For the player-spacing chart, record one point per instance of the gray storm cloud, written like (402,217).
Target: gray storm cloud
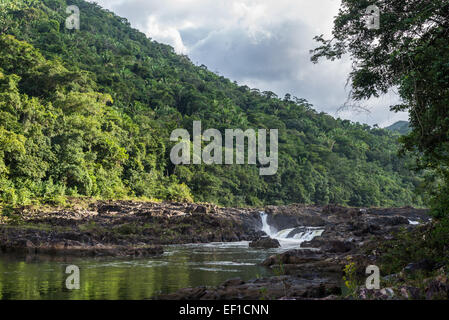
(263,44)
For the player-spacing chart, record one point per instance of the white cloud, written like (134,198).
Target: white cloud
(260,43)
(167,34)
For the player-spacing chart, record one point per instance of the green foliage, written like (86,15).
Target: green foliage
(278,269)
(90,112)
(438,193)
(409,51)
(69,141)
(7,211)
(350,278)
(428,242)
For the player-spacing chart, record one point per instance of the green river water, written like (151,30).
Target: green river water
(43,277)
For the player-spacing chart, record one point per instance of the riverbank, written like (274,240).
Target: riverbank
(318,242)
(122,228)
(351,237)
(132,224)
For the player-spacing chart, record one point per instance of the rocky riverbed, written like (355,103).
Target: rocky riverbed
(122,228)
(138,229)
(315,270)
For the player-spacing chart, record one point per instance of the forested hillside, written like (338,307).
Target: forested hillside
(90,112)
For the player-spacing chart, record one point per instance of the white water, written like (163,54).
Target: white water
(413,222)
(265,227)
(288,238)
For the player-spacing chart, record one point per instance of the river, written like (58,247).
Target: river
(43,277)
(34,277)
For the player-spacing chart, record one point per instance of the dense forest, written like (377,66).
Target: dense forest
(89,112)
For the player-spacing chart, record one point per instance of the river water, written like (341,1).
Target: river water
(181,266)
(33,277)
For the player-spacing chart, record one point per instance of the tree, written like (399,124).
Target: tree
(409,51)
(94,110)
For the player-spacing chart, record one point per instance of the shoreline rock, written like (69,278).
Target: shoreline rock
(279,287)
(315,271)
(265,243)
(131,228)
(80,250)
(123,228)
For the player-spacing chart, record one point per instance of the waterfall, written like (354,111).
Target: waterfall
(293,236)
(265,226)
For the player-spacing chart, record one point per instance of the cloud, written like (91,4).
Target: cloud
(261,43)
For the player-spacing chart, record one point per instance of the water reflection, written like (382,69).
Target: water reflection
(43,277)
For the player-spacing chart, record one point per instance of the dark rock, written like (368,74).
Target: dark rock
(298,230)
(361,228)
(332,246)
(293,257)
(265,243)
(315,243)
(379,294)
(103,208)
(281,287)
(200,209)
(301,218)
(414,293)
(390,221)
(233,282)
(423,265)
(338,246)
(437,289)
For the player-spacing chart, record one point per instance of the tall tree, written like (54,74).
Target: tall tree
(409,50)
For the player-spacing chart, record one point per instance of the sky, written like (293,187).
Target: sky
(264,44)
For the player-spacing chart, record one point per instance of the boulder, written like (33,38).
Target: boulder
(265,243)
(293,257)
(437,289)
(338,246)
(390,221)
(233,282)
(423,265)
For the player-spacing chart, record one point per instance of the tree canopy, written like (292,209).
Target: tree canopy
(90,112)
(410,52)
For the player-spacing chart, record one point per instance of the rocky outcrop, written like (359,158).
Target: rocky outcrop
(283,217)
(436,288)
(265,243)
(124,227)
(346,229)
(279,287)
(74,248)
(316,271)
